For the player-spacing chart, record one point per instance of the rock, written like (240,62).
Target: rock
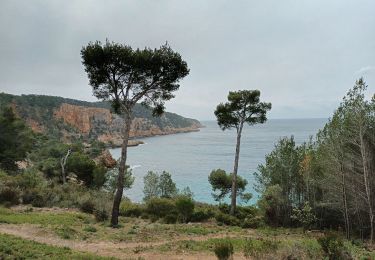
(106,159)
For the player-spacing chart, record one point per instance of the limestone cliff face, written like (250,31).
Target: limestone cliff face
(83,118)
(101,124)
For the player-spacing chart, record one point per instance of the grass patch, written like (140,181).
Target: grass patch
(12,247)
(43,218)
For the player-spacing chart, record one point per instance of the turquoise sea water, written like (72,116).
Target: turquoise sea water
(190,157)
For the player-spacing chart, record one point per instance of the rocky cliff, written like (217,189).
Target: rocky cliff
(73,119)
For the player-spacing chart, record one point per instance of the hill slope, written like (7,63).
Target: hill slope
(71,119)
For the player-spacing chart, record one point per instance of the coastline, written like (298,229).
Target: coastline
(135,142)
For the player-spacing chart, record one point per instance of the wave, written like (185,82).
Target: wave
(135,166)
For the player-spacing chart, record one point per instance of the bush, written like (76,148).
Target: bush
(129,209)
(38,201)
(101,214)
(90,229)
(170,219)
(201,215)
(185,208)
(9,196)
(333,246)
(227,219)
(87,206)
(257,248)
(252,222)
(160,207)
(9,192)
(223,249)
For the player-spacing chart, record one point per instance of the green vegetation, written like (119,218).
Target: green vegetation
(223,249)
(222,182)
(125,77)
(327,183)
(12,247)
(159,186)
(243,106)
(66,192)
(15,139)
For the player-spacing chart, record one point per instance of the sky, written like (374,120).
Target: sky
(303,55)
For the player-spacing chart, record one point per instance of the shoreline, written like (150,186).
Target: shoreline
(135,142)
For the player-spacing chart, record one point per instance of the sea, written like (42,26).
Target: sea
(190,157)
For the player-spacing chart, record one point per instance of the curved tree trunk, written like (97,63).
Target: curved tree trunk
(235,170)
(121,172)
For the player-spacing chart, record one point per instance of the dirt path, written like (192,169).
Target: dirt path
(107,248)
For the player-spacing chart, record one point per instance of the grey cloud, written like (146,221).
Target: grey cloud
(300,54)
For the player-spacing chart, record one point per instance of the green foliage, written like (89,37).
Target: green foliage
(147,76)
(12,247)
(90,229)
(304,216)
(224,249)
(271,203)
(333,246)
(161,207)
(9,191)
(201,215)
(111,179)
(243,106)
(99,175)
(156,185)
(167,186)
(257,248)
(221,182)
(151,186)
(87,206)
(283,182)
(16,139)
(129,209)
(185,208)
(101,214)
(82,166)
(224,218)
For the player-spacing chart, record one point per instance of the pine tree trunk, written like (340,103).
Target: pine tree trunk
(344,197)
(121,172)
(367,185)
(235,170)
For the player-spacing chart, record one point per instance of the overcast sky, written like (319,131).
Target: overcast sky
(302,55)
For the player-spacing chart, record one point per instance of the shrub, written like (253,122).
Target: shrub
(160,207)
(185,208)
(99,176)
(223,249)
(332,246)
(129,209)
(9,196)
(90,229)
(38,201)
(66,232)
(252,222)
(170,218)
(226,219)
(201,215)
(101,214)
(28,196)
(257,248)
(87,206)
(9,192)
(245,212)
